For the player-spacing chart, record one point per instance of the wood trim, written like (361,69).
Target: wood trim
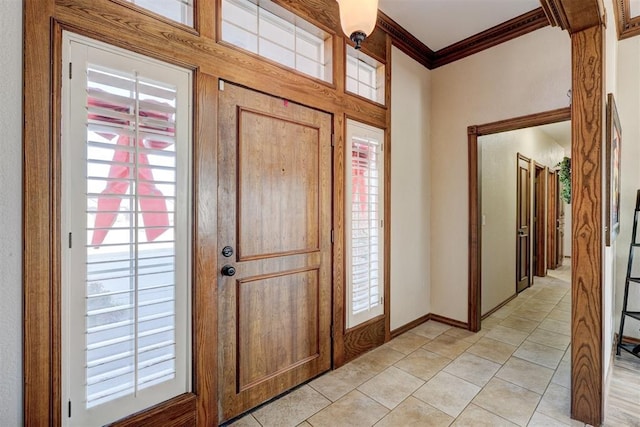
(339,321)
(555,13)
(407,327)
(475,250)
(405,41)
(430,316)
(499,306)
(587,131)
(205,247)
(364,337)
(530,120)
(41,376)
(626,25)
(628,339)
(177,412)
(574,15)
(387,200)
(448,321)
(494,36)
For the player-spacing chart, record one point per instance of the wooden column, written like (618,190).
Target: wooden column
(587,249)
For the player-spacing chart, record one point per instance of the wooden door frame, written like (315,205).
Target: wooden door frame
(540,207)
(128,26)
(475,235)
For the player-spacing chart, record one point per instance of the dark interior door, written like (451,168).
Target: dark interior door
(560,229)
(539,209)
(552,218)
(274,233)
(523,224)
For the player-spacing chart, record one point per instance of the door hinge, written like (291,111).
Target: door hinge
(69,409)
(332,332)
(332,236)
(333,139)
(70,240)
(221,85)
(70,70)
(382,223)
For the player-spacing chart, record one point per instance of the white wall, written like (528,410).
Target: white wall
(410,189)
(498,154)
(628,103)
(526,75)
(10,207)
(609,264)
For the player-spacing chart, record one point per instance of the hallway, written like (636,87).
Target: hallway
(515,371)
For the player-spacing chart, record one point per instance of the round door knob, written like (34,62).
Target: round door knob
(228,270)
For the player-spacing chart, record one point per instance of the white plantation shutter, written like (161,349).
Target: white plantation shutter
(126,211)
(364,224)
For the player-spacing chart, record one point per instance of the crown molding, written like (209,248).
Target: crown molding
(625,24)
(405,41)
(501,33)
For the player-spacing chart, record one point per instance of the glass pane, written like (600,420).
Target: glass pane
(275,33)
(177,10)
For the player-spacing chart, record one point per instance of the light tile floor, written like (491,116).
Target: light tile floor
(514,372)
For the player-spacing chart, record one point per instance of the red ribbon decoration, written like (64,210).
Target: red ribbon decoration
(154,209)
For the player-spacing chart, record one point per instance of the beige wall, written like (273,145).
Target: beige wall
(527,75)
(10,219)
(498,174)
(610,271)
(410,189)
(628,103)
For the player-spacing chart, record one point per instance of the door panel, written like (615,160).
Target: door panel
(274,214)
(291,225)
(523,224)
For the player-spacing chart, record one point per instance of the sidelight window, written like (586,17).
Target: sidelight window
(126,235)
(364,222)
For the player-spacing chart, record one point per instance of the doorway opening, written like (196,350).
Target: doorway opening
(479,221)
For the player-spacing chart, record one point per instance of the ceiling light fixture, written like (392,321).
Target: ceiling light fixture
(358,18)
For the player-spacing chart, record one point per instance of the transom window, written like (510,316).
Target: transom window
(275,33)
(178,10)
(365,75)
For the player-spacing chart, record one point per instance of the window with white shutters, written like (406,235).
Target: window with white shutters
(126,280)
(364,222)
(273,32)
(365,75)
(178,10)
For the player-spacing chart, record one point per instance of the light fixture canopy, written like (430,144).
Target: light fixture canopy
(358,18)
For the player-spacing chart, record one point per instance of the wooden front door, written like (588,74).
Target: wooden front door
(274,221)
(523,223)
